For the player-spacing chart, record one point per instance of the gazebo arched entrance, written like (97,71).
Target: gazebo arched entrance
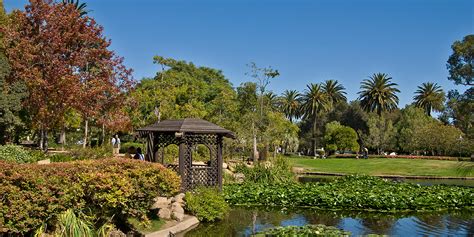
(188,133)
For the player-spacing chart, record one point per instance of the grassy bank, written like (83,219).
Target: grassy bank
(382,166)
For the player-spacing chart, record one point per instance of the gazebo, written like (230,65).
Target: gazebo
(187,134)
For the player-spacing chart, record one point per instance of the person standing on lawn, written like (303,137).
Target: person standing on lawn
(115,145)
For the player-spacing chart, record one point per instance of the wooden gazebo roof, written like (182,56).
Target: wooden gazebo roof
(188,125)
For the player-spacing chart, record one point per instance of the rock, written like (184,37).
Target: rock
(176,207)
(297,170)
(44,162)
(178,198)
(231,168)
(161,202)
(224,166)
(164,213)
(177,216)
(117,233)
(226,171)
(239,177)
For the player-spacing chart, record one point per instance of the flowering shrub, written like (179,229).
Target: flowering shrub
(104,189)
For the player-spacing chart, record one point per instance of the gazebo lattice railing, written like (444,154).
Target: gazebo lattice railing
(187,134)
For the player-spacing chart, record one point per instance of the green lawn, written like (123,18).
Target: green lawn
(382,166)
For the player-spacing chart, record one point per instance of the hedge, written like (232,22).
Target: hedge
(104,189)
(403,157)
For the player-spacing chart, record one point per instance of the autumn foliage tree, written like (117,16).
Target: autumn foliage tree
(64,60)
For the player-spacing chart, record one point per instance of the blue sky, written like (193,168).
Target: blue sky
(307,41)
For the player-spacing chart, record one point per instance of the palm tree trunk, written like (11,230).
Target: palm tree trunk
(314,135)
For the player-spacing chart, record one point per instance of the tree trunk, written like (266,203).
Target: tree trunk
(314,136)
(86,131)
(41,139)
(255,150)
(62,137)
(103,135)
(45,141)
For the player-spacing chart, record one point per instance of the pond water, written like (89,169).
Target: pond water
(457,182)
(245,221)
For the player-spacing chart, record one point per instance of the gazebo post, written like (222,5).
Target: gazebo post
(182,150)
(219,161)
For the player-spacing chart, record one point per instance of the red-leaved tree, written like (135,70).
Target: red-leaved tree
(64,59)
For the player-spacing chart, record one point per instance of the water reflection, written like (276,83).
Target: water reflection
(244,222)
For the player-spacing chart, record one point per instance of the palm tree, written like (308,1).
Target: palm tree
(334,90)
(378,93)
(430,97)
(81,7)
(290,104)
(271,100)
(315,100)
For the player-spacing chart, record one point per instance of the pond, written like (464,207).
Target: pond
(457,182)
(245,221)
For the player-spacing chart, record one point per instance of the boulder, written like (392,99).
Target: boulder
(177,216)
(117,233)
(160,202)
(164,213)
(178,198)
(226,171)
(44,162)
(176,207)
(239,177)
(224,166)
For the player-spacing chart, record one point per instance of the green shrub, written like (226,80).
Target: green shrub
(18,154)
(276,170)
(125,146)
(307,230)
(105,189)
(61,157)
(352,193)
(91,153)
(207,204)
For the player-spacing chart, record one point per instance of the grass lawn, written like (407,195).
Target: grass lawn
(382,166)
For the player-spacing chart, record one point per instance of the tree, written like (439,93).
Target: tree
(378,94)
(461,62)
(81,7)
(381,133)
(338,137)
(334,91)
(315,100)
(430,97)
(280,131)
(356,118)
(290,104)
(459,109)
(412,120)
(12,94)
(262,76)
(65,62)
